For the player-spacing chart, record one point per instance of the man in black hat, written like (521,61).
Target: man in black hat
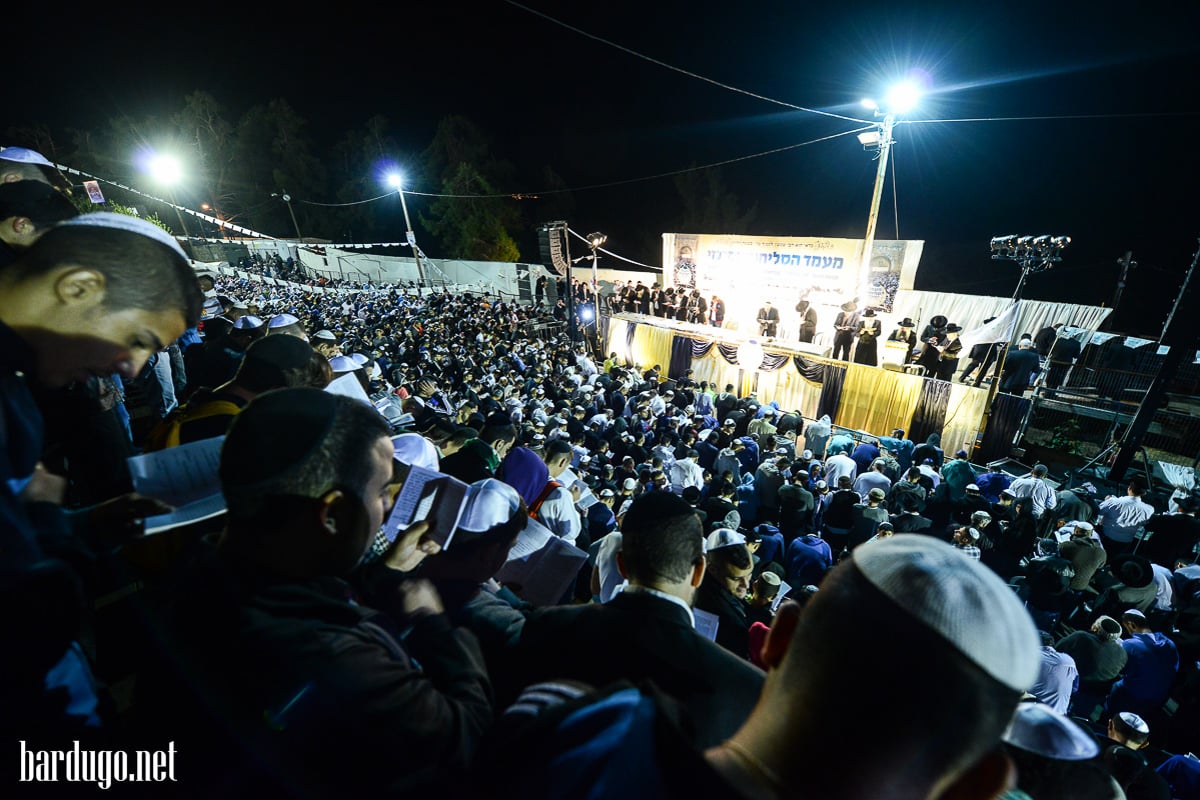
(942,361)
(906,335)
(867,349)
(845,324)
(808,320)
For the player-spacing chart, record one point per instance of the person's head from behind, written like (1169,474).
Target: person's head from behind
(922,604)
(97,294)
(558,455)
(306,476)
(845,482)
(282,362)
(1040,470)
(1129,729)
(28,209)
(22,164)
(1106,628)
(662,544)
(499,432)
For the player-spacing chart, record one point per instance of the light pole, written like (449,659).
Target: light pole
(168,171)
(595,241)
(395,180)
(287,198)
(900,98)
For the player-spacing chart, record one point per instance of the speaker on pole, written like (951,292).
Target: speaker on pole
(552,241)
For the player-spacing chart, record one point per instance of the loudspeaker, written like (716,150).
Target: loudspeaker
(552,242)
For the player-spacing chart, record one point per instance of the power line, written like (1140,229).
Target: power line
(644,57)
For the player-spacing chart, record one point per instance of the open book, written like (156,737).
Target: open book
(185,477)
(587,498)
(541,566)
(427,495)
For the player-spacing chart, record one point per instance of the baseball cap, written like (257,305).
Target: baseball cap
(123,222)
(723,537)
(949,594)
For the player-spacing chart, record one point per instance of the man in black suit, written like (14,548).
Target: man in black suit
(1019,367)
(646,631)
(768,320)
(845,325)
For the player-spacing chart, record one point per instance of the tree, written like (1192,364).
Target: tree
(468,219)
(708,206)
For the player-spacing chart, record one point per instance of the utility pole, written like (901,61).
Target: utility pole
(1180,335)
(1127,263)
(885,149)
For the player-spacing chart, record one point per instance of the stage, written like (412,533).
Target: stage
(802,378)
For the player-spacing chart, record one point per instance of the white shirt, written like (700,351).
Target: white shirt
(1041,497)
(558,513)
(611,579)
(1122,516)
(670,598)
(836,467)
(1165,597)
(685,473)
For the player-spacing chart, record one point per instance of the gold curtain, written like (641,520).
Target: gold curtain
(652,345)
(963,415)
(877,400)
(790,389)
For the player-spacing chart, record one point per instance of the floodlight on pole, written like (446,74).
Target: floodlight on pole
(168,171)
(287,198)
(396,181)
(899,99)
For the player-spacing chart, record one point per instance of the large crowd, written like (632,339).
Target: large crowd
(753,603)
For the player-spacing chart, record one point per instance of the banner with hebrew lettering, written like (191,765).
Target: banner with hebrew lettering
(748,271)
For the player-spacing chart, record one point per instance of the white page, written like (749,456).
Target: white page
(587,498)
(706,623)
(185,477)
(348,386)
(781,596)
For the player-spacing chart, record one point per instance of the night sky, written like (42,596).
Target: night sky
(1086,112)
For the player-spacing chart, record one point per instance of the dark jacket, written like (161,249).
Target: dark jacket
(733,631)
(637,636)
(298,691)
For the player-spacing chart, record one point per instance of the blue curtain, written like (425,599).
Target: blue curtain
(930,414)
(1007,412)
(700,348)
(681,356)
(831,390)
(811,370)
(728,352)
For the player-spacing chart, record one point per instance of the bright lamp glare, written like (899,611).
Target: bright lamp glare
(586,314)
(394,180)
(903,96)
(868,103)
(166,169)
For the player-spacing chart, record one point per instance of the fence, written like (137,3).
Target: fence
(1082,408)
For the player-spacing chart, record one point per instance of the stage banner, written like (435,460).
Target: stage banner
(747,271)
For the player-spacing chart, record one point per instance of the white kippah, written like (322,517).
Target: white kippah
(124,222)
(961,600)
(1038,728)
(343,364)
(489,503)
(415,450)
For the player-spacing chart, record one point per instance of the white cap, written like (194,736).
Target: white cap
(806,455)
(415,450)
(489,502)
(325,335)
(723,537)
(343,364)
(953,596)
(630,484)
(359,358)
(123,222)
(1037,728)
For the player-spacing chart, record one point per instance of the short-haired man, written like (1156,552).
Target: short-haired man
(1019,368)
(96,295)
(1035,488)
(479,457)
(291,672)
(1121,517)
(647,630)
(725,586)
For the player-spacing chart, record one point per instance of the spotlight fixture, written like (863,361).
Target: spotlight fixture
(596,239)
(1034,253)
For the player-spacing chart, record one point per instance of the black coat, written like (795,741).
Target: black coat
(1018,367)
(636,637)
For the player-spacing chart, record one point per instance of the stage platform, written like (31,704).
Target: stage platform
(801,378)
